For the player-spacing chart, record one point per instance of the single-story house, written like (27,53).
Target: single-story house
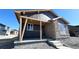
(4,30)
(14,32)
(41,24)
(74,30)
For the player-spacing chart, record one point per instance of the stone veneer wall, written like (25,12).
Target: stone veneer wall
(57,31)
(50,30)
(57,34)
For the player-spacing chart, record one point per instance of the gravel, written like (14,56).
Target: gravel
(72,42)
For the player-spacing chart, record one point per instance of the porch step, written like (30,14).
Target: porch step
(58,45)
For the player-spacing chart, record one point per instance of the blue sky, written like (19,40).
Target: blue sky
(8,17)
(71,15)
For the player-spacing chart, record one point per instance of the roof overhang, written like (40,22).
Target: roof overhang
(18,14)
(60,18)
(30,11)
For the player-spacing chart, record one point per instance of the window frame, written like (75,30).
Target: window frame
(30,27)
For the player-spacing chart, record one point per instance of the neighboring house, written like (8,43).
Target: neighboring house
(14,32)
(4,30)
(41,24)
(7,30)
(74,30)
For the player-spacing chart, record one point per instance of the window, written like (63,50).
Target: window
(62,28)
(29,27)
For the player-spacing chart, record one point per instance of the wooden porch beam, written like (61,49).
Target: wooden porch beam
(24,27)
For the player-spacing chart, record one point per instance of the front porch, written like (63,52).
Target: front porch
(31,29)
(34,33)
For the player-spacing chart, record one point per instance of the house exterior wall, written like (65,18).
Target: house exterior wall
(50,30)
(2,29)
(2,32)
(59,33)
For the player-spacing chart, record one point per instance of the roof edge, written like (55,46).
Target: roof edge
(35,10)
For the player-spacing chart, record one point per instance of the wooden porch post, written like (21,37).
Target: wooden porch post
(40,27)
(20,29)
(24,27)
(40,30)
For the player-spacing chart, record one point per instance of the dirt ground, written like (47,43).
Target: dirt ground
(42,45)
(72,42)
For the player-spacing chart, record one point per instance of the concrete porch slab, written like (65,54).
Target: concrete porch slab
(29,41)
(32,44)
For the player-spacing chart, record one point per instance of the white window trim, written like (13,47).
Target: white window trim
(29,27)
